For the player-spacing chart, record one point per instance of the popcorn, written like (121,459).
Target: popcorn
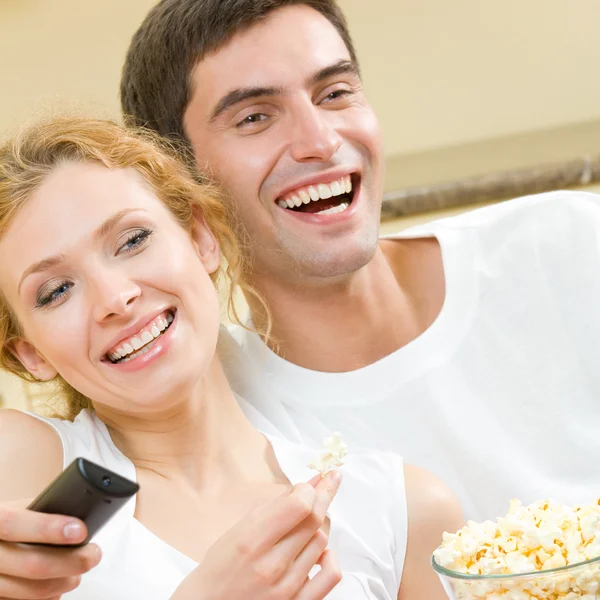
(529,539)
(334,450)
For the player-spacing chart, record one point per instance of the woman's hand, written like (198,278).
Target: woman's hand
(30,572)
(269,554)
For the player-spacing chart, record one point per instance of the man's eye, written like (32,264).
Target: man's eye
(253,118)
(337,94)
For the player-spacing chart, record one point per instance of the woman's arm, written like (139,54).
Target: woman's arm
(432,509)
(30,457)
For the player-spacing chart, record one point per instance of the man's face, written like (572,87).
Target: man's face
(279,117)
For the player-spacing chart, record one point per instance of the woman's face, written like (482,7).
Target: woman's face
(111,292)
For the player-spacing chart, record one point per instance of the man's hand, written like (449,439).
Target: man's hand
(30,572)
(269,554)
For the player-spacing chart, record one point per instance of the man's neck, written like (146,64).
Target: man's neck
(345,324)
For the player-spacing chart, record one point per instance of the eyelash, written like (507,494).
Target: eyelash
(338,94)
(335,95)
(139,237)
(246,123)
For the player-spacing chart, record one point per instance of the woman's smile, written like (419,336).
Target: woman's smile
(149,344)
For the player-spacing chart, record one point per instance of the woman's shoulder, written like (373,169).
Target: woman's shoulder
(30,455)
(431,503)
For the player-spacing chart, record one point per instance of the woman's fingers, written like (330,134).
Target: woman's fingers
(40,562)
(26,526)
(272,521)
(297,574)
(43,589)
(292,544)
(324,581)
(298,514)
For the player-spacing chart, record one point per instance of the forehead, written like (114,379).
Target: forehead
(283,50)
(69,205)
(79,196)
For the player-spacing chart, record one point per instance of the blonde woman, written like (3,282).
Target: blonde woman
(109,251)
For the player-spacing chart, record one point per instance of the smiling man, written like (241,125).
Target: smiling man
(465,345)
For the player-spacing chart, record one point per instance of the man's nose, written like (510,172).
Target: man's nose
(114,295)
(313,135)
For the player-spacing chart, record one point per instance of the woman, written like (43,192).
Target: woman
(109,252)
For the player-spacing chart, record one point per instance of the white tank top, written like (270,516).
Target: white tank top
(368,523)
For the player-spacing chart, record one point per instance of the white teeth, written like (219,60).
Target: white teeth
(313,193)
(324,191)
(147,337)
(142,342)
(335,209)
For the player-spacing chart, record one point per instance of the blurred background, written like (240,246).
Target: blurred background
(478,101)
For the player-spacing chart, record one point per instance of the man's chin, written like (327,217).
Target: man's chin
(336,262)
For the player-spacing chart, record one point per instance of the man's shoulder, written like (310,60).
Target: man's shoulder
(541,208)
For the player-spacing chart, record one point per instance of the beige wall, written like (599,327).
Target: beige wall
(439,73)
(11,392)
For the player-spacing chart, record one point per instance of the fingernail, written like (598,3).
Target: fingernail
(335,477)
(73,530)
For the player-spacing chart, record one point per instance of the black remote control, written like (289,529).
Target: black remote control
(88,492)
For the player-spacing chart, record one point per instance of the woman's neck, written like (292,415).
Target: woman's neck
(205,440)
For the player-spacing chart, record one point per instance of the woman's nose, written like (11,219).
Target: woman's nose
(114,296)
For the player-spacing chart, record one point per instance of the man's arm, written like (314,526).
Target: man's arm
(432,509)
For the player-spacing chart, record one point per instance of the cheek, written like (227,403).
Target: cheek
(62,336)
(369,134)
(183,274)
(240,165)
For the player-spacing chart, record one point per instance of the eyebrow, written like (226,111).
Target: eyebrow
(342,67)
(239,95)
(48,263)
(247,93)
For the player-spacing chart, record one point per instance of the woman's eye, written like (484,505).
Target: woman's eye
(251,119)
(135,240)
(53,295)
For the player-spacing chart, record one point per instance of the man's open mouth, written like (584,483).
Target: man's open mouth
(143,340)
(323,198)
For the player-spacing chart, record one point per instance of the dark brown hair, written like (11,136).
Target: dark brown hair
(175,36)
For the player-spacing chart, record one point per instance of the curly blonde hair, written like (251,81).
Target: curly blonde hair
(37,150)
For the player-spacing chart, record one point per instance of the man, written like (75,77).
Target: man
(465,345)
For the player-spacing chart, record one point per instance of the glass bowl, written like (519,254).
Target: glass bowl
(579,581)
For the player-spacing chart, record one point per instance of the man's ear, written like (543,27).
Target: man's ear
(205,242)
(32,360)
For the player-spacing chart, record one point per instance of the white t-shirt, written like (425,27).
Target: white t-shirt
(500,397)
(368,523)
